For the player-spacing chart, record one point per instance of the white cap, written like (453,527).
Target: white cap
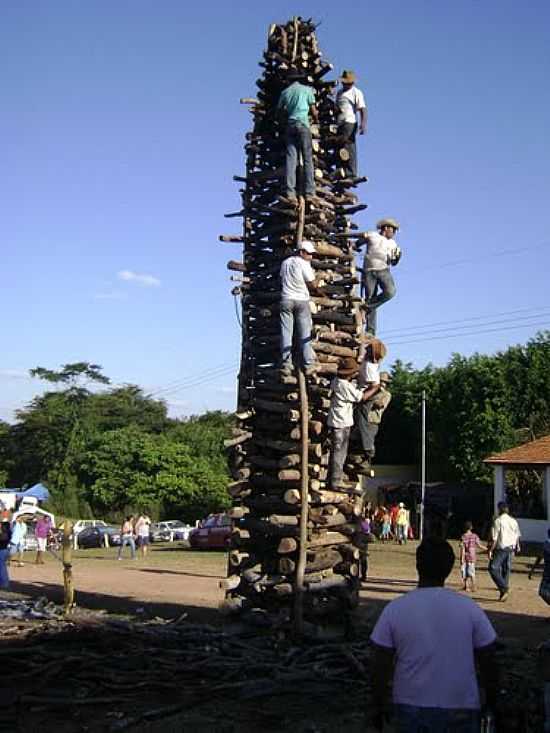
(308,247)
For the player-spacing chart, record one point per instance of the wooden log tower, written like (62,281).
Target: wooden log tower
(293,553)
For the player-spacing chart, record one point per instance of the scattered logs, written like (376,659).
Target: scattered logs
(268,564)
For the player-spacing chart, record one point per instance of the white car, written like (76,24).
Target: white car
(176,529)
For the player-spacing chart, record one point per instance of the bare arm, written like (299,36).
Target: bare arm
(363,123)
(313,112)
(314,289)
(370,392)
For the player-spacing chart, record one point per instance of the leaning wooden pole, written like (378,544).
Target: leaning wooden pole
(68,566)
(293,554)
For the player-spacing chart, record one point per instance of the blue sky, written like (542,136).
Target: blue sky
(121,130)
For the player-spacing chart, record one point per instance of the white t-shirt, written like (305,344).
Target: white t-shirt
(434,632)
(380,251)
(349,102)
(505,532)
(344,395)
(295,273)
(142,527)
(369,371)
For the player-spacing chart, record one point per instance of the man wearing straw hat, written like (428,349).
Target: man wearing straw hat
(377,285)
(345,395)
(350,101)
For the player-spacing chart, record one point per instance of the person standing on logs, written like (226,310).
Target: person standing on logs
(345,395)
(297,102)
(297,282)
(350,101)
(368,416)
(377,284)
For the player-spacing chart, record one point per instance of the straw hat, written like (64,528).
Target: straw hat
(348,76)
(347,367)
(387,223)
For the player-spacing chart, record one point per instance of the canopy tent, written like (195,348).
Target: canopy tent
(39,491)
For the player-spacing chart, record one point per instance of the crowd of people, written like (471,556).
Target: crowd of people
(13,533)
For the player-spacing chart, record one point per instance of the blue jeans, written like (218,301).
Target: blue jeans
(347,132)
(339,441)
(296,311)
(127,539)
(4,577)
(412,719)
(298,140)
(500,568)
(374,280)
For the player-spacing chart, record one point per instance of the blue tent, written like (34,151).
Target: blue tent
(39,491)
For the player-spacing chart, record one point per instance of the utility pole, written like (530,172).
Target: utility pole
(423,470)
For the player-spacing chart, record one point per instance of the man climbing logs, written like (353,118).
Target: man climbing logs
(297,281)
(350,101)
(297,102)
(368,416)
(377,285)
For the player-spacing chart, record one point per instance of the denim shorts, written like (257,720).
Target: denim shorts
(468,570)
(412,719)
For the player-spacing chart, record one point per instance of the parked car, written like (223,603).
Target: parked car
(214,532)
(100,536)
(169,530)
(81,524)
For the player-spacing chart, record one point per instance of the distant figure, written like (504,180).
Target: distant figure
(430,639)
(142,531)
(5,536)
(350,102)
(544,588)
(17,541)
(386,526)
(127,538)
(362,539)
(393,518)
(505,536)
(344,395)
(377,284)
(402,524)
(297,282)
(468,544)
(41,532)
(296,103)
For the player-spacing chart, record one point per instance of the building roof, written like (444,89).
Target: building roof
(537,452)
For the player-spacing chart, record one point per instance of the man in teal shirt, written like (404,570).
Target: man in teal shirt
(296,102)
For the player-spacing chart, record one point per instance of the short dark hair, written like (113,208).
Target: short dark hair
(468,526)
(434,559)
(502,506)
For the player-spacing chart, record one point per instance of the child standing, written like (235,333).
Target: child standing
(468,544)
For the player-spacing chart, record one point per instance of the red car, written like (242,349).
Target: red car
(213,533)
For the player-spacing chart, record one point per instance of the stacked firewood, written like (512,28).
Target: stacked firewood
(265,452)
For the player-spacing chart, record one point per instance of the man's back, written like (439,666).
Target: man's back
(505,532)
(296,100)
(434,632)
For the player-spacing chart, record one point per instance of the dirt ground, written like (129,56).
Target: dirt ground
(173,580)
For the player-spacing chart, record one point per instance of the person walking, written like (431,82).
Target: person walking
(469,542)
(363,537)
(127,538)
(5,536)
(17,540)
(350,102)
(297,103)
(142,530)
(429,640)
(505,537)
(544,587)
(345,394)
(385,535)
(41,532)
(401,524)
(377,283)
(297,282)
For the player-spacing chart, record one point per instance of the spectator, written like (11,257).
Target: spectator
(544,588)
(127,538)
(402,524)
(142,529)
(386,526)
(433,635)
(363,537)
(5,535)
(468,544)
(41,532)
(17,541)
(505,535)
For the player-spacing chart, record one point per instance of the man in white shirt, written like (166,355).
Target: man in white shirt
(350,102)
(429,640)
(505,535)
(297,281)
(377,285)
(345,395)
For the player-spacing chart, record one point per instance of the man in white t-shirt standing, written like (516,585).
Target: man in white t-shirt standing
(345,394)
(297,281)
(431,638)
(505,536)
(377,285)
(350,102)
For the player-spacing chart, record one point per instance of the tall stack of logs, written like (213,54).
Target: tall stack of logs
(265,452)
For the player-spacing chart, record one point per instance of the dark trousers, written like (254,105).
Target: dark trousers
(364,562)
(500,568)
(378,287)
(339,450)
(367,430)
(347,132)
(298,140)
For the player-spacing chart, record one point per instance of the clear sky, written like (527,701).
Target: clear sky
(120,132)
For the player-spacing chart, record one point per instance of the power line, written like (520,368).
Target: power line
(184,381)
(544,324)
